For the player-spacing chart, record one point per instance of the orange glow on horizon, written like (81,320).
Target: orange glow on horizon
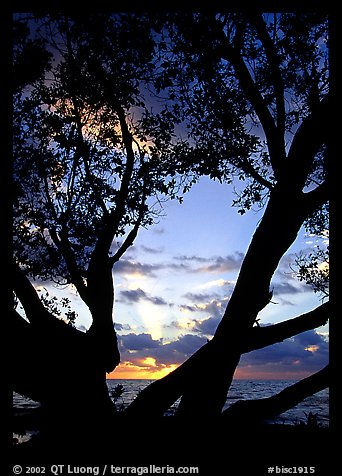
(149,370)
(248,373)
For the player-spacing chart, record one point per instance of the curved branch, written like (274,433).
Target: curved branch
(155,399)
(264,336)
(253,411)
(33,306)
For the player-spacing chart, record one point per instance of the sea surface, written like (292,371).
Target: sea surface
(317,404)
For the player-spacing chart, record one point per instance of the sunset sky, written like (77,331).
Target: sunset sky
(172,286)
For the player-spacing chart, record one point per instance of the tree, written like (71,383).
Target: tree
(87,176)
(232,74)
(252,91)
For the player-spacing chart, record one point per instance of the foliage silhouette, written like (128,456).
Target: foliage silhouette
(94,161)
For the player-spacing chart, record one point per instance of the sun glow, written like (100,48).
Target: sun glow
(312,348)
(147,369)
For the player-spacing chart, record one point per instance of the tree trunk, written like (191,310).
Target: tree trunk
(54,365)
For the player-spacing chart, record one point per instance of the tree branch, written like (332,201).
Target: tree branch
(309,137)
(317,197)
(33,306)
(253,411)
(155,399)
(274,140)
(260,337)
(112,221)
(131,235)
(271,54)
(63,244)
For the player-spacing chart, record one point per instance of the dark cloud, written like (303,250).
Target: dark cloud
(136,347)
(138,342)
(185,307)
(183,264)
(137,295)
(216,264)
(200,297)
(122,327)
(187,344)
(214,306)
(308,351)
(222,264)
(207,326)
(132,267)
(285,287)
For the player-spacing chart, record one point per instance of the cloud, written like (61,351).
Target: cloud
(122,327)
(305,352)
(198,259)
(153,251)
(301,355)
(285,287)
(200,297)
(138,342)
(207,326)
(223,264)
(216,264)
(127,267)
(209,303)
(136,348)
(137,295)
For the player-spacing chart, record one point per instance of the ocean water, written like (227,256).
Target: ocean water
(244,390)
(240,390)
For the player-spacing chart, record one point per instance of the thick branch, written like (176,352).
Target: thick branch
(317,197)
(283,217)
(309,137)
(263,336)
(252,411)
(155,399)
(34,308)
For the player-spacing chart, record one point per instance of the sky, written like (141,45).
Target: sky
(172,286)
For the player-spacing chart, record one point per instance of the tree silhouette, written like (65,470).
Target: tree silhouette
(240,71)
(92,163)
